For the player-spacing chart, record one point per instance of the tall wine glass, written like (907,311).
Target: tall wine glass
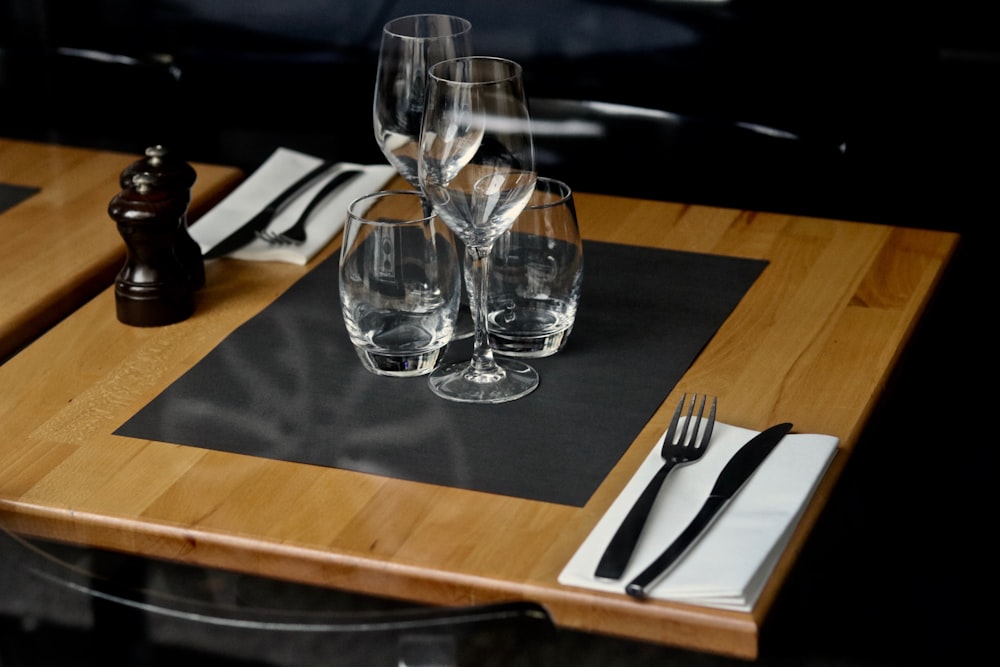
(477,166)
(410,45)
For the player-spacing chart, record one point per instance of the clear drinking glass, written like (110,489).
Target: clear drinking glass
(410,45)
(536,272)
(477,166)
(399,283)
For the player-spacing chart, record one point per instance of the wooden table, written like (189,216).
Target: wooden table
(812,342)
(59,247)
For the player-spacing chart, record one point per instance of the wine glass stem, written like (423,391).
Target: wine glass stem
(476,278)
(425,202)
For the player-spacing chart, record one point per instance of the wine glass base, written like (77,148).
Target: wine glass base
(456,382)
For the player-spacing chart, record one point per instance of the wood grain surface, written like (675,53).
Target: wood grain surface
(812,342)
(60,247)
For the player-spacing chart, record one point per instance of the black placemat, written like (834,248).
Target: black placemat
(287,384)
(12,195)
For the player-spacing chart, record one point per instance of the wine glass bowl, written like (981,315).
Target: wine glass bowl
(476,165)
(410,45)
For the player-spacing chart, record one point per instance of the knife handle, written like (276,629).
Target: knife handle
(639,586)
(619,551)
(293,189)
(331,186)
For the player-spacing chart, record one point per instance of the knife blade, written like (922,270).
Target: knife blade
(732,478)
(247,232)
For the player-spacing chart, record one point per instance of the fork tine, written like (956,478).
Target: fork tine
(697,422)
(682,438)
(274,238)
(672,428)
(711,422)
(269,237)
(692,422)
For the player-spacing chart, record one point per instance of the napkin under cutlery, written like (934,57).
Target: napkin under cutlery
(281,169)
(730,563)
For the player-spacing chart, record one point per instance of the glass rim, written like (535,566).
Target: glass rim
(460,25)
(513,73)
(360,217)
(561,188)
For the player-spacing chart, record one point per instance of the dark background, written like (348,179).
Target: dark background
(872,111)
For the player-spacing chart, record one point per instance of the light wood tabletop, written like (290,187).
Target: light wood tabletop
(60,247)
(812,342)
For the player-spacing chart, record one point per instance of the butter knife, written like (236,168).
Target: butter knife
(732,478)
(248,231)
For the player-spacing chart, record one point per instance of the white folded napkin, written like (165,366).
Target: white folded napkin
(728,566)
(279,171)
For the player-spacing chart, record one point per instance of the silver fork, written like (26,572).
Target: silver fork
(676,450)
(296,234)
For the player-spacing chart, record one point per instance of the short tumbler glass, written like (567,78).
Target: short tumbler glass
(536,271)
(399,283)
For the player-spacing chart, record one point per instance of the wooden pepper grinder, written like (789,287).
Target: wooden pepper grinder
(154,286)
(177,176)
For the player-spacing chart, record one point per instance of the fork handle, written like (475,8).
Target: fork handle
(619,551)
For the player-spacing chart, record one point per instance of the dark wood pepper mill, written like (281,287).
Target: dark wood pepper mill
(176,175)
(153,288)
